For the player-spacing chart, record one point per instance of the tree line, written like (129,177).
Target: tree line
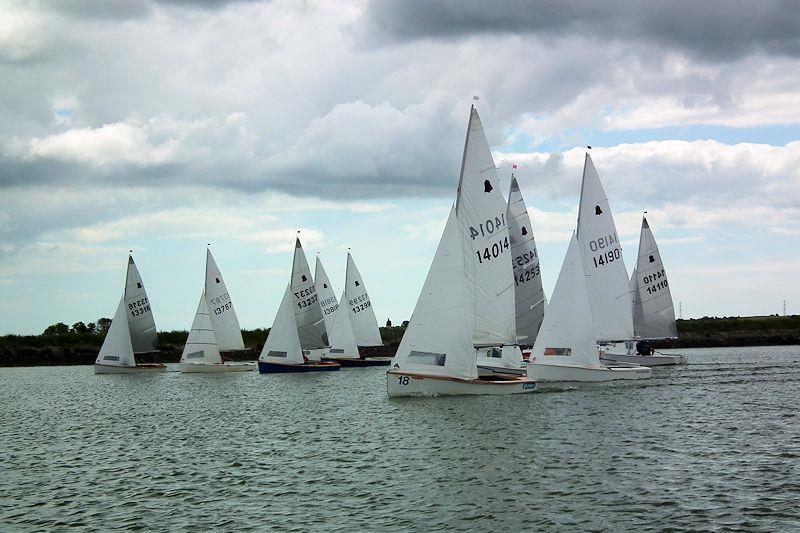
(92,328)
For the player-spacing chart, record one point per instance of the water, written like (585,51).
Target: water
(712,444)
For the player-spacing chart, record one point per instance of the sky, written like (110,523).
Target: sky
(162,126)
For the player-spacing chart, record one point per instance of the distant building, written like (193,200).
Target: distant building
(388,322)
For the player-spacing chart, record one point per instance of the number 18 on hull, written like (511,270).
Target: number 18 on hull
(401,384)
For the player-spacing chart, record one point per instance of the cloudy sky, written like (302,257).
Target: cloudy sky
(163,126)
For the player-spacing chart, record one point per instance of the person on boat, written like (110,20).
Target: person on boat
(643,347)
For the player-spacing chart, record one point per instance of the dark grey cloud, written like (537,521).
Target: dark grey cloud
(717,29)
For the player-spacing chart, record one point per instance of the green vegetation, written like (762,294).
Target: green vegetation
(61,344)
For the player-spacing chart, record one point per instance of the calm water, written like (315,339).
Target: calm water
(712,444)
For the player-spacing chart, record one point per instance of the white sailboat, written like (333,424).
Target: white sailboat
(529,298)
(298,327)
(141,323)
(437,354)
(365,325)
(328,303)
(653,309)
(116,354)
(566,348)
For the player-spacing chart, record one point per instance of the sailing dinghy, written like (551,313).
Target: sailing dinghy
(133,330)
(528,292)
(566,347)
(437,354)
(354,324)
(653,309)
(298,327)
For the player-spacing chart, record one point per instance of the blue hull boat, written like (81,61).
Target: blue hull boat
(277,368)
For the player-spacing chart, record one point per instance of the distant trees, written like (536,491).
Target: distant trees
(92,328)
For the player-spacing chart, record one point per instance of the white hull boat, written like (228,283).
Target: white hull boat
(215,368)
(400,384)
(505,360)
(489,370)
(660,359)
(138,369)
(548,373)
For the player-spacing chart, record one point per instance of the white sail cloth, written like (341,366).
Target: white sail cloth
(362,315)
(606,276)
(567,334)
(117,349)
(341,337)
(653,309)
(220,308)
(307,311)
(528,291)
(141,323)
(327,298)
(201,344)
(283,342)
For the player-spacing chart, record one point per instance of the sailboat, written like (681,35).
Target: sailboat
(298,327)
(328,303)
(467,299)
(215,328)
(354,324)
(653,309)
(566,347)
(528,292)
(132,331)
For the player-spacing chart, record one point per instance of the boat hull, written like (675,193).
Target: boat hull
(146,368)
(400,384)
(491,370)
(277,368)
(565,374)
(645,360)
(353,362)
(201,368)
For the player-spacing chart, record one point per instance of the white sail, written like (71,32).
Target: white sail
(283,343)
(654,311)
(201,344)
(567,336)
(307,311)
(116,349)
(341,337)
(528,292)
(632,287)
(327,298)
(439,340)
(220,307)
(481,210)
(605,270)
(141,323)
(362,316)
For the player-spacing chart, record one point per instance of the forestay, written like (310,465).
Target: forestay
(438,340)
(220,307)
(141,323)
(654,311)
(567,335)
(327,298)
(201,345)
(116,349)
(528,292)
(607,277)
(362,316)
(307,311)
(283,343)
(341,337)
(481,211)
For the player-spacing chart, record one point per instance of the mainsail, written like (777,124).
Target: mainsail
(528,291)
(141,323)
(341,337)
(362,316)
(327,298)
(116,349)
(220,308)
(283,343)
(307,311)
(653,310)
(201,345)
(567,334)
(481,211)
(606,275)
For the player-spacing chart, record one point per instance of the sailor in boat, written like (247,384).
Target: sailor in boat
(643,347)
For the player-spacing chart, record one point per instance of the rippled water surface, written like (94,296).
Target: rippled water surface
(714,443)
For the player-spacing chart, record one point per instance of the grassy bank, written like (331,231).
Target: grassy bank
(73,348)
